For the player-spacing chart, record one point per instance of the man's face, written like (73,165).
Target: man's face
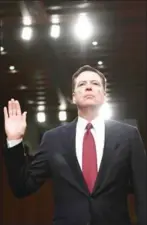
(89,90)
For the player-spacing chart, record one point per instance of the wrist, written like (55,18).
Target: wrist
(14,138)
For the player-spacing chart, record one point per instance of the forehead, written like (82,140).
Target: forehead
(87,76)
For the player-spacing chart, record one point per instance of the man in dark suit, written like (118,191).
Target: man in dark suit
(91,161)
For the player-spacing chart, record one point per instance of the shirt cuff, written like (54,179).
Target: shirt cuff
(13,143)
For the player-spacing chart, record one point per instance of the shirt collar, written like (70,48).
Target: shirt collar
(97,123)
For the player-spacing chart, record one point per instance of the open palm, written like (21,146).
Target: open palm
(15,120)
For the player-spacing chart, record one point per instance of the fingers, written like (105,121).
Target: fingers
(18,109)
(14,108)
(10,108)
(24,116)
(5,113)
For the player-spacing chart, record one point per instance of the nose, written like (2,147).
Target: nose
(88,87)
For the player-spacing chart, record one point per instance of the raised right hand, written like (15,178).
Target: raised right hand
(15,120)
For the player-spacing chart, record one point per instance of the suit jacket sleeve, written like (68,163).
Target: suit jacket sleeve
(25,177)
(138,176)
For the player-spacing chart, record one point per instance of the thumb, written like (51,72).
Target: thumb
(24,116)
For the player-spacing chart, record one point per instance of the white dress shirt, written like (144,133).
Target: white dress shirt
(12,143)
(98,132)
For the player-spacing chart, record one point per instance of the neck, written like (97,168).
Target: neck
(88,113)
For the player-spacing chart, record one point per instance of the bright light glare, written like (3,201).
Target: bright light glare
(23,87)
(1,48)
(95,43)
(12,67)
(55,31)
(27,20)
(106,111)
(41,108)
(100,63)
(62,115)
(63,106)
(2,51)
(41,117)
(55,19)
(27,33)
(83,28)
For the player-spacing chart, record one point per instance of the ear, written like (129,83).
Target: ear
(73,98)
(105,97)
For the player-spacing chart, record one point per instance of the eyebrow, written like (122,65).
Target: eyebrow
(90,80)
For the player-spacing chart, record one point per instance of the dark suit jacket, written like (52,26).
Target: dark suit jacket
(124,161)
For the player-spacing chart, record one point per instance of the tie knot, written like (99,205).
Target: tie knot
(89,126)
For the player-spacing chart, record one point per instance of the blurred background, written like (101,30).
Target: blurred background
(42,43)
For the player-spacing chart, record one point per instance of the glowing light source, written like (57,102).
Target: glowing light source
(41,117)
(41,108)
(55,31)
(12,67)
(27,33)
(55,19)
(1,48)
(62,115)
(27,20)
(83,28)
(100,63)
(94,43)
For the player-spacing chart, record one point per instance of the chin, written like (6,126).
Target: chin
(88,105)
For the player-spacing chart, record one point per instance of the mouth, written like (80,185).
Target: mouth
(89,96)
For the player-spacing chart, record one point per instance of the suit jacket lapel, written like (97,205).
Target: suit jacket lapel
(71,158)
(107,158)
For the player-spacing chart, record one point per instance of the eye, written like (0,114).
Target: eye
(95,83)
(81,84)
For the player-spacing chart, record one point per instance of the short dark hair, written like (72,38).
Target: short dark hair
(88,68)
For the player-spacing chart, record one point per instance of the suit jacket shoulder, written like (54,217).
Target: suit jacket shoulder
(122,127)
(120,124)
